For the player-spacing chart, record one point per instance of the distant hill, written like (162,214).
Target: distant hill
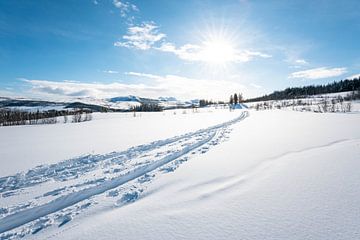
(299,92)
(125,99)
(119,104)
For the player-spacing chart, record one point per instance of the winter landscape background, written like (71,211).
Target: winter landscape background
(179,119)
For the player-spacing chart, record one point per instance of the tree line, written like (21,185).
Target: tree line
(11,117)
(147,107)
(236,98)
(300,92)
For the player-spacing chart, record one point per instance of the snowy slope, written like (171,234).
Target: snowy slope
(272,175)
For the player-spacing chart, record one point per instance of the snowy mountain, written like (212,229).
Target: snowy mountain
(167,99)
(124,99)
(121,103)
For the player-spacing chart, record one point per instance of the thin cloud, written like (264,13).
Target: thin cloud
(146,75)
(141,37)
(62,89)
(297,63)
(198,53)
(189,88)
(125,7)
(147,36)
(110,71)
(301,61)
(318,73)
(168,85)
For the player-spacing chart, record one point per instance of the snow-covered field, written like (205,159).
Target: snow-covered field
(215,174)
(24,147)
(331,102)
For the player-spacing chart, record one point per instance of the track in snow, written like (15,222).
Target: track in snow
(53,194)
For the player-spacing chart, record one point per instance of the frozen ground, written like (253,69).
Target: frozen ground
(271,175)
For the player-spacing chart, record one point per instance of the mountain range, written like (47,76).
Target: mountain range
(121,103)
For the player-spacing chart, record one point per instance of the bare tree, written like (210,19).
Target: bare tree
(348,107)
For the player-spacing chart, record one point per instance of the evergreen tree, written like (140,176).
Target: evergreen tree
(231,100)
(235,98)
(300,92)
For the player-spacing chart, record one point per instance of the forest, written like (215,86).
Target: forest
(301,92)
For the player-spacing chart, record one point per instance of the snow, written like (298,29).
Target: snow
(22,217)
(120,103)
(312,103)
(42,108)
(107,132)
(271,174)
(128,102)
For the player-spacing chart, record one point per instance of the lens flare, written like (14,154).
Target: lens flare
(218,51)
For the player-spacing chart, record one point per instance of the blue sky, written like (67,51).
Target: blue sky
(187,49)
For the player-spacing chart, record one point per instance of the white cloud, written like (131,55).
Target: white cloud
(189,88)
(296,62)
(156,86)
(200,53)
(295,66)
(317,73)
(124,7)
(110,71)
(147,36)
(146,75)
(66,89)
(301,61)
(353,76)
(141,37)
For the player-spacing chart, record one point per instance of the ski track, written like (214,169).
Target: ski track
(54,194)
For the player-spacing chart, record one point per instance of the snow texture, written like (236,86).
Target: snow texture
(262,175)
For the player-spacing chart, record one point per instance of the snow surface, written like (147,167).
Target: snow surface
(24,147)
(271,175)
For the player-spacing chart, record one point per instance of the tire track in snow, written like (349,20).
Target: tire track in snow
(201,137)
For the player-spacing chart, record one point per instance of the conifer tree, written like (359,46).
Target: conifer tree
(235,98)
(231,100)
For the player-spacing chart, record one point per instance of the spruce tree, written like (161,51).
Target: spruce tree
(235,98)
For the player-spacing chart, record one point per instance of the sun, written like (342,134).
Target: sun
(218,51)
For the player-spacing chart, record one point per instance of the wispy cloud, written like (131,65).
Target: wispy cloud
(147,36)
(318,73)
(146,75)
(301,61)
(141,37)
(297,62)
(110,71)
(200,53)
(154,86)
(187,88)
(125,7)
(66,89)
